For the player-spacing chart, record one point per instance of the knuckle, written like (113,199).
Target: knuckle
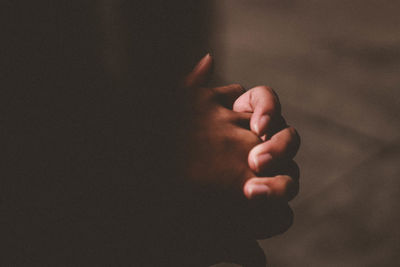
(294,170)
(285,187)
(293,185)
(268,89)
(287,220)
(272,92)
(283,219)
(294,136)
(292,190)
(279,218)
(295,133)
(265,87)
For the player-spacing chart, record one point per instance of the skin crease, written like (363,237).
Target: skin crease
(242,151)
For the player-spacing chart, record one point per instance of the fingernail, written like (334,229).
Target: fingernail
(256,129)
(258,189)
(261,161)
(261,125)
(255,162)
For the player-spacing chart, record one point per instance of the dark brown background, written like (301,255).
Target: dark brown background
(71,101)
(336,68)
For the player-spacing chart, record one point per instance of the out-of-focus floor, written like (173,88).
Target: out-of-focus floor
(336,68)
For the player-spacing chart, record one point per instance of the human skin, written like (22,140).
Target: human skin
(259,111)
(243,150)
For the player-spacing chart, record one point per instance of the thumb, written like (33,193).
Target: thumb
(201,72)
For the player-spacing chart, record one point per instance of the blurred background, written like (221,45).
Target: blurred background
(334,64)
(336,68)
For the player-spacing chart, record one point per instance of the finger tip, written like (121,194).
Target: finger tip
(263,124)
(256,129)
(254,125)
(253,162)
(259,124)
(260,159)
(253,190)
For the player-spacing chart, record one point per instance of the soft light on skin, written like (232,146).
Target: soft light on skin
(260,126)
(253,190)
(259,157)
(256,129)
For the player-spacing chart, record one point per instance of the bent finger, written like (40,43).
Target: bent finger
(279,187)
(263,102)
(282,147)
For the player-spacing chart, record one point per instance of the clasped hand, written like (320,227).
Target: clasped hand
(242,150)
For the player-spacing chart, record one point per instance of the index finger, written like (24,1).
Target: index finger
(263,102)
